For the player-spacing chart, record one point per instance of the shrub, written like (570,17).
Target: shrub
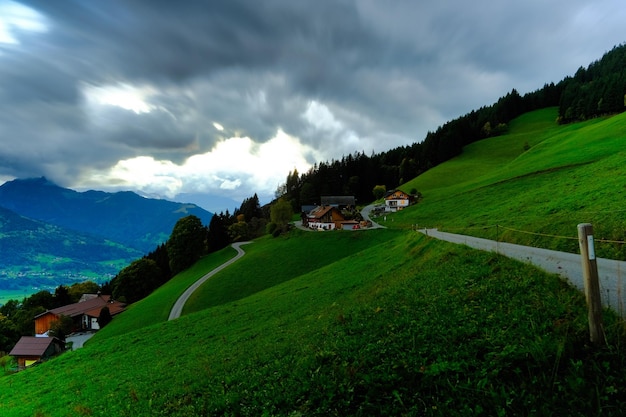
(271,228)
(105,317)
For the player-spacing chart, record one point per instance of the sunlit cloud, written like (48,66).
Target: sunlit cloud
(319,116)
(322,122)
(15,17)
(125,96)
(237,167)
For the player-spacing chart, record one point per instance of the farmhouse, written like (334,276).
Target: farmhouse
(325,218)
(397,200)
(84,313)
(30,350)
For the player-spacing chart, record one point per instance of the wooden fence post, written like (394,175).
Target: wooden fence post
(592,285)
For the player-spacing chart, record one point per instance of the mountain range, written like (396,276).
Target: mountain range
(50,235)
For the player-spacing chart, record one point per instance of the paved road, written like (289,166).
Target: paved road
(177,309)
(365,212)
(611,273)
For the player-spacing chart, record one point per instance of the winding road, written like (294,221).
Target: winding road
(177,308)
(611,273)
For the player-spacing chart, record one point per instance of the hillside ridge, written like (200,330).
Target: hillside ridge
(124,217)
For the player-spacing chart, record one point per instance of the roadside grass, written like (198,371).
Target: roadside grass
(156,308)
(411,326)
(574,175)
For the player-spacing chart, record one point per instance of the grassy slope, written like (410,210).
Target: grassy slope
(386,322)
(307,252)
(370,334)
(156,308)
(572,174)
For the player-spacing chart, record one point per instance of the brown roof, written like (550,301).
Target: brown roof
(393,194)
(320,211)
(90,307)
(33,346)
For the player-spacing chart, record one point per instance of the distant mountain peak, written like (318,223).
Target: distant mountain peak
(124,217)
(39,181)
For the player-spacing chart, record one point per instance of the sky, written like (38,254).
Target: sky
(213,101)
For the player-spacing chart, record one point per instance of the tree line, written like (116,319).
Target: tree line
(597,90)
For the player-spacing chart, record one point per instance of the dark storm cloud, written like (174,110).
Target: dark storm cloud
(198,45)
(150,39)
(342,76)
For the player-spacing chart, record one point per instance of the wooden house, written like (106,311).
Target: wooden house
(325,218)
(30,350)
(397,200)
(84,313)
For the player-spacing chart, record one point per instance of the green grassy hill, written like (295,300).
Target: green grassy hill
(380,322)
(571,174)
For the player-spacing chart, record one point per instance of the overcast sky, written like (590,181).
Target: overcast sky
(224,98)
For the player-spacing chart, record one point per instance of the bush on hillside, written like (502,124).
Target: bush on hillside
(186,243)
(105,317)
(136,281)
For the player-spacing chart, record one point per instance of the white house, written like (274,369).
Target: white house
(397,200)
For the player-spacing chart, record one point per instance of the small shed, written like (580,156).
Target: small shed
(30,350)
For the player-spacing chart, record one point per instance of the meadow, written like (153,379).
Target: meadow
(378,322)
(570,174)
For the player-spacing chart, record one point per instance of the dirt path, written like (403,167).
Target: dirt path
(177,308)
(612,273)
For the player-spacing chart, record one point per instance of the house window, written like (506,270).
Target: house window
(85,322)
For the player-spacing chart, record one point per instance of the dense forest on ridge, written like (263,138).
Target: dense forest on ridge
(597,90)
